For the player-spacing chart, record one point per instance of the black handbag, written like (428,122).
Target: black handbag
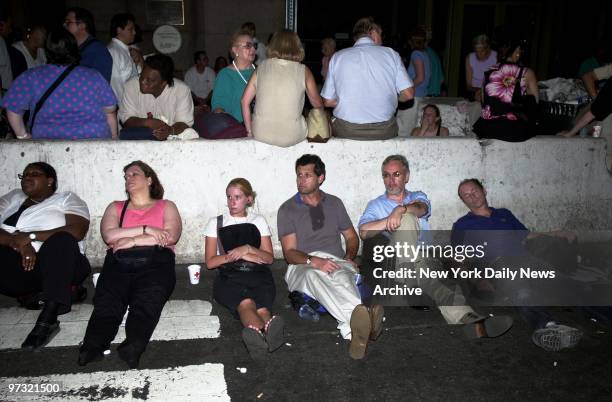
(137,256)
(230,268)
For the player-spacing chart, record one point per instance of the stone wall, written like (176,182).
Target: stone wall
(549,183)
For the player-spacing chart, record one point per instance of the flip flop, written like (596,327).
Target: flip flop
(275,333)
(255,343)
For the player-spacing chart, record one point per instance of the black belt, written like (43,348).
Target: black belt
(243,266)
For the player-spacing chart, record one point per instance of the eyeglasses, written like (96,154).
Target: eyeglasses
(30,174)
(394,174)
(68,22)
(248,45)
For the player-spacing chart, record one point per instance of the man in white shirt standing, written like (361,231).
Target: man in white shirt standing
(364,84)
(122,31)
(200,78)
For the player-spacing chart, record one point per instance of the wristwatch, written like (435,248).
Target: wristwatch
(308,259)
(32,236)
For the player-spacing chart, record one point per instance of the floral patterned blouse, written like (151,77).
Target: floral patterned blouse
(499,100)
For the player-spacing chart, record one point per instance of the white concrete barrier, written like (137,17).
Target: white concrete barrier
(549,183)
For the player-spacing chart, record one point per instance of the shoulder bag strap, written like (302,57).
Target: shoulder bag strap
(219,226)
(517,82)
(49,91)
(125,204)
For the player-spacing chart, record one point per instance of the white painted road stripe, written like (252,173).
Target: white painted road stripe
(189,383)
(181,319)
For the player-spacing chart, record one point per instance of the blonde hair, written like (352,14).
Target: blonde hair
(245,187)
(286,45)
(329,42)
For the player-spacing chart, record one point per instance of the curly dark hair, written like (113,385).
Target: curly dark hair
(62,48)
(164,65)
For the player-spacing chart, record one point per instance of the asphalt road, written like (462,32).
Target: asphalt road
(418,357)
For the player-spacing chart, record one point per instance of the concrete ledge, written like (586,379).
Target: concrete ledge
(549,183)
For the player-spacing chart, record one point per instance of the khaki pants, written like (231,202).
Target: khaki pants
(367,131)
(450,301)
(407,119)
(337,292)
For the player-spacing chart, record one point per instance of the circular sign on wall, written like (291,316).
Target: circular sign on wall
(167,39)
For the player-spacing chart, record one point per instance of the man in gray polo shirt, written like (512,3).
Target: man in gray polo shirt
(309,227)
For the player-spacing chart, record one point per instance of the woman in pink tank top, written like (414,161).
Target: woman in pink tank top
(476,63)
(146,227)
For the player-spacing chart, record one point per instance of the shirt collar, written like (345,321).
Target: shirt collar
(406,195)
(298,200)
(493,211)
(120,44)
(366,40)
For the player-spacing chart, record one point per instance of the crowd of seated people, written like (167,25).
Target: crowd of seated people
(379,99)
(42,231)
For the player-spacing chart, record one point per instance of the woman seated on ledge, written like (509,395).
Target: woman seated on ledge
(138,269)
(238,245)
(40,250)
(82,106)
(431,124)
(279,83)
(510,98)
(231,81)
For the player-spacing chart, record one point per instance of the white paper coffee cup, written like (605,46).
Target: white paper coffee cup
(596,131)
(194,274)
(94,278)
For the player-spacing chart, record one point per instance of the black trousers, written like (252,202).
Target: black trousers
(145,289)
(59,266)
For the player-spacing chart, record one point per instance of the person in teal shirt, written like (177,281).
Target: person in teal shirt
(436,77)
(232,80)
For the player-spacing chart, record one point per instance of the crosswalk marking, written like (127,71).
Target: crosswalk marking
(180,319)
(203,382)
